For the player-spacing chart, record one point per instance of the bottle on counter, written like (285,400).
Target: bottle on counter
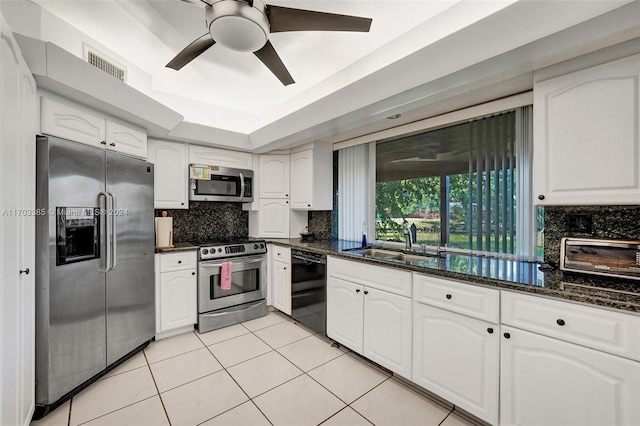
(364,234)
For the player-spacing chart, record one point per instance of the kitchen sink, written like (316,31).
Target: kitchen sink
(391,255)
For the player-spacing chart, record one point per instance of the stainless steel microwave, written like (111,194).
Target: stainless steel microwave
(214,183)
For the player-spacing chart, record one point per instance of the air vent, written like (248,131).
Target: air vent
(105,64)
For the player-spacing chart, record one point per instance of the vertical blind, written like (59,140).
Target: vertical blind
(353,191)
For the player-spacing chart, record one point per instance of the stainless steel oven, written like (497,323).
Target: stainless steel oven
(244,298)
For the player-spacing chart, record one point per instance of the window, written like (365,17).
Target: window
(465,186)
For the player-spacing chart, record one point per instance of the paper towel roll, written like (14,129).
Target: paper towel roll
(164,231)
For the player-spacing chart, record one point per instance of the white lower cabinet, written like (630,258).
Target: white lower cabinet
(544,381)
(281,279)
(176,292)
(457,358)
(369,321)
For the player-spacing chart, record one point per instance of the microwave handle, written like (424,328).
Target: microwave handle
(241,186)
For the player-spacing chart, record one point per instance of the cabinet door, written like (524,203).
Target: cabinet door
(302,180)
(274,176)
(282,286)
(17,233)
(586,142)
(126,140)
(220,157)
(544,381)
(387,330)
(71,122)
(274,218)
(457,357)
(170,174)
(178,299)
(345,313)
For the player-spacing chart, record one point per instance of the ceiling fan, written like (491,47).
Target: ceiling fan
(245,25)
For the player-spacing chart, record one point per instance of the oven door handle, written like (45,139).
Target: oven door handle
(217,314)
(244,261)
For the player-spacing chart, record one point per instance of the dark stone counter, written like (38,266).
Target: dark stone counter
(177,247)
(500,273)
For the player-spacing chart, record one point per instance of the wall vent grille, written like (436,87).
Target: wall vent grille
(104,64)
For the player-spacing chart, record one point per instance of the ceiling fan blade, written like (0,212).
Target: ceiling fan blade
(192,51)
(270,58)
(284,19)
(197,2)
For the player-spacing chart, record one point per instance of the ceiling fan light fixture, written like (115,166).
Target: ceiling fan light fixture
(238,26)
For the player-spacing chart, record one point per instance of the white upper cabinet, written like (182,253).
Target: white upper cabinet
(220,157)
(68,122)
(274,176)
(312,178)
(586,141)
(80,124)
(274,218)
(170,174)
(126,140)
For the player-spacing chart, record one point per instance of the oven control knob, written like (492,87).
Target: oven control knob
(255,247)
(219,250)
(205,251)
(261,245)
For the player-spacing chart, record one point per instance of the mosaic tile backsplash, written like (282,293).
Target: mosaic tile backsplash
(320,225)
(208,221)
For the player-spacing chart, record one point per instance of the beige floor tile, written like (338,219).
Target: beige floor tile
(282,334)
(144,413)
(239,349)
(270,319)
(172,346)
(222,334)
(58,417)
(136,361)
(184,368)
(347,417)
(111,394)
(301,401)
(348,378)
(310,352)
(246,414)
(265,372)
(455,420)
(202,399)
(391,403)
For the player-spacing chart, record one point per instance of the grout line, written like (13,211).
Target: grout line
(69,415)
(115,411)
(445,418)
(157,390)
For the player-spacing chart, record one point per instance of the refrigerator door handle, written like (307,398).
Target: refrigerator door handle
(104,237)
(114,231)
(241,186)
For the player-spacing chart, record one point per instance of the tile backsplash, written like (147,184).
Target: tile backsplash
(208,221)
(610,222)
(320,224)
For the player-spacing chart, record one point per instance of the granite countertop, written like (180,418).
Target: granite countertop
(494,272)
(177,247)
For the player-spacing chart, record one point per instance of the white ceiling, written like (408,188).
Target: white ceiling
(235,91)
(417,52)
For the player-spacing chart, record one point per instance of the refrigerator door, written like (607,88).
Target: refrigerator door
(130,282)
(70,314)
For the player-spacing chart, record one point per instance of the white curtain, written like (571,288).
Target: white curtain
(526,218)
(353,192)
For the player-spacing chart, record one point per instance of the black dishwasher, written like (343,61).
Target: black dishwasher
(309,289)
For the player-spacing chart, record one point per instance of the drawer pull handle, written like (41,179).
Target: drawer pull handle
(448,296)
(25,271)
(179,261)
(357,290)
(560,322)
(490,330)
(507,336)
(366,292)
(193,273)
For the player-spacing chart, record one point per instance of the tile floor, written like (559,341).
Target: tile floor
(268,371)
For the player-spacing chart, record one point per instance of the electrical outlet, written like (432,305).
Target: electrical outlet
(581,223)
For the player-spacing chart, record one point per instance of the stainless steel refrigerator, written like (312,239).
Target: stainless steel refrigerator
(95,297)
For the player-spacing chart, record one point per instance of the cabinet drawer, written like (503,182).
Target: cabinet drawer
(387,279)
(477,302)
(283,254)
(177,261)
(608,331)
